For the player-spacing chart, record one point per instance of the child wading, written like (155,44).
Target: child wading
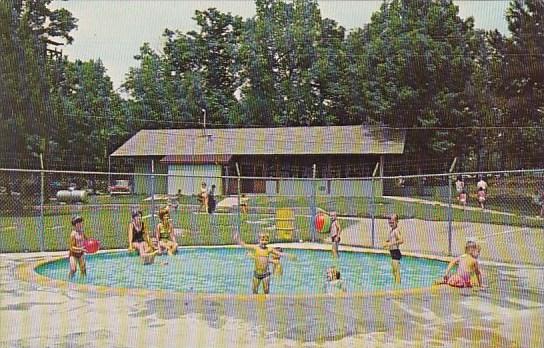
(262,252)
(392,244)
(77,250)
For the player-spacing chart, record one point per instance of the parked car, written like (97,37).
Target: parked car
(120,187)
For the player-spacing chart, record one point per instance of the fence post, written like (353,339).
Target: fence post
(373,207)
(450,208)
(42,198)
(153,193)
(313,205)
(238,189)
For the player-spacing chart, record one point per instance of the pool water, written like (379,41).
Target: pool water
(230,270)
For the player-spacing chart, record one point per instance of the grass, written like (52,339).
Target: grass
(107,218)
(110,224)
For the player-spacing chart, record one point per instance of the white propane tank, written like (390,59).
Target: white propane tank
(72,196)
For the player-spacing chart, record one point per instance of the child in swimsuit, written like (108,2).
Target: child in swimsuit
(164,232)
(77,250)
(463,198)
(467,265)
(244,206)
(334,284)
(138,238)
(392,244)
(275,260)
(335,231)
(261,255)
(481,197)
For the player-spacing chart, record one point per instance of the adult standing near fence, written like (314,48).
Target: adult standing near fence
(335,231)
(211,200)
(459,185)
(481,184)
(203,197)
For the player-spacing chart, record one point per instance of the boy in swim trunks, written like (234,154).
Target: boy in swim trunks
(467,265)
(392,244)
(277,268)
(261,256)
(76,245)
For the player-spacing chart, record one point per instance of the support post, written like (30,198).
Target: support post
(109,172)
(42,199)
(450,208)
(153,193)
(238,189)
(313,206)
(373,206)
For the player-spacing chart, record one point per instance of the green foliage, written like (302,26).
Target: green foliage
(416,65)
(413,66)
(520,85)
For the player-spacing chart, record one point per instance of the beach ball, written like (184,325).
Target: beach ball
(91,246)
(322,222)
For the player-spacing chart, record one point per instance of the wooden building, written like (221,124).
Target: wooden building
(289,152)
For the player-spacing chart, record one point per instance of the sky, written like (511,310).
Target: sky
(114,30)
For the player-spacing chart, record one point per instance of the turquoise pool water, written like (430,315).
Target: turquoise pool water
(230,270)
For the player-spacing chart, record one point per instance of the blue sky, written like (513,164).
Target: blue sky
(114,30)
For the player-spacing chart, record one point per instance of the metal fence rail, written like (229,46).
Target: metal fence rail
(36,207)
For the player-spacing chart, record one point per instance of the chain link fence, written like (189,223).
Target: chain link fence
(438,214)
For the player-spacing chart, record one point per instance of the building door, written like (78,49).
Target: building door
(259,186)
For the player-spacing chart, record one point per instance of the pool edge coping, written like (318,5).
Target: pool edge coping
(27,272)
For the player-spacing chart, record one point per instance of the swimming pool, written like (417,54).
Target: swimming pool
(230,271)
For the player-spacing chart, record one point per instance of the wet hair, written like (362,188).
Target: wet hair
(280,249)
(459,178)
(136,213)
(76,219)
(335,274)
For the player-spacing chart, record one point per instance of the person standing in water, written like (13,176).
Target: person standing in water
(392,244)
(262,253)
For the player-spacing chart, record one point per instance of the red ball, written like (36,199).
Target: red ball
(319,221)
(91,246)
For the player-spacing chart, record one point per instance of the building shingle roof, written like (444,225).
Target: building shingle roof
(265,141)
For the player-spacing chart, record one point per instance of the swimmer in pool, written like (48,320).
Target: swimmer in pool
(334,284)
(275,260)
(262,254)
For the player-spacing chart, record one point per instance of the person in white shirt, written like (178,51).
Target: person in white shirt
(482,183)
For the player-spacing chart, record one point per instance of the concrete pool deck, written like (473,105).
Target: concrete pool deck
(507,314)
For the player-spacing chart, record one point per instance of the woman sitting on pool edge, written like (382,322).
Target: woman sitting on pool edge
(261,256)
(164,232)
(138,238)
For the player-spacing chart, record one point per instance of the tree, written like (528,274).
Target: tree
(27,28)
(521,86)
(415,60)
(94,121)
